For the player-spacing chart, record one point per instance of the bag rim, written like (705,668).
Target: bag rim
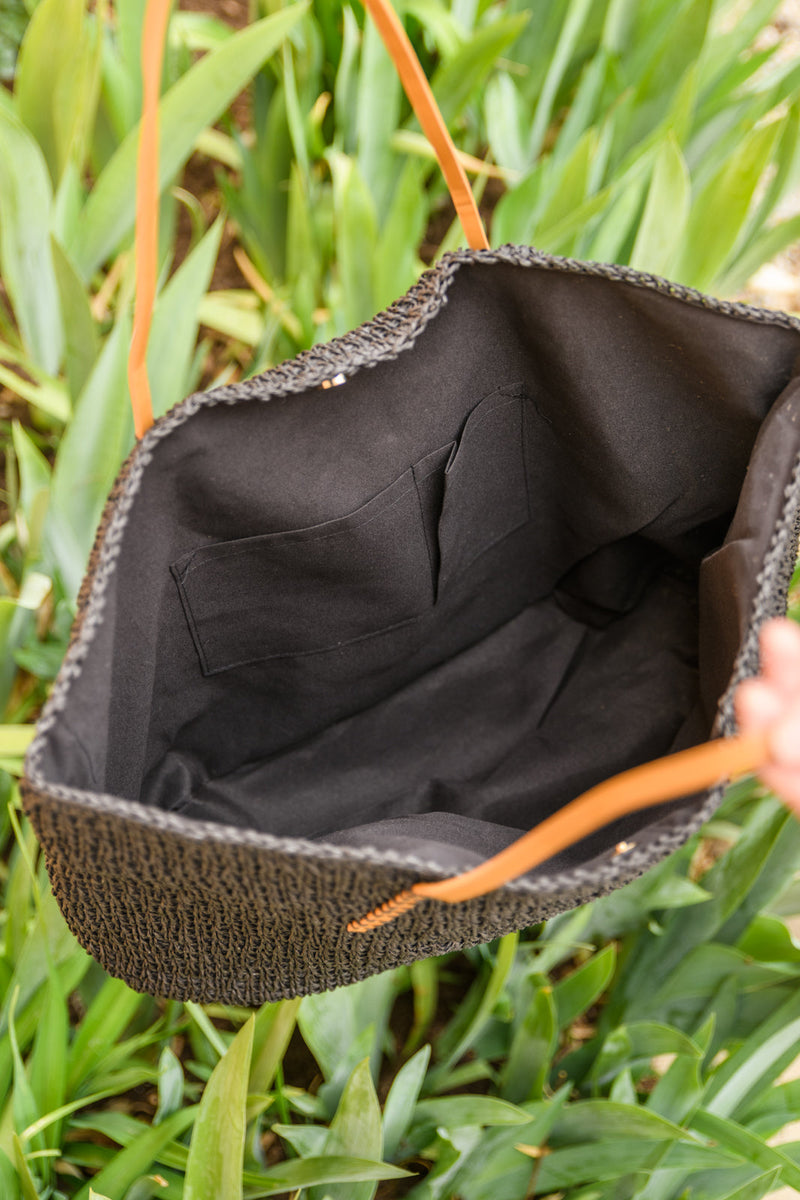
(382,339)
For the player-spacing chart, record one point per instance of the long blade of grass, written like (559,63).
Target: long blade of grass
(137,1158)
(666,212)
(107,1018)
(308,1172)
(175,322)
(273,1029)
(25,255)
(574,21)
(198,99)
(89,456)
(401,1100)
(356,1130)
(81,339)
(216,1153)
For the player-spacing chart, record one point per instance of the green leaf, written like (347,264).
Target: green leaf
(747,1145)
(579,990)
(532,1049)
(728,195)
(273,1029)
(463,1031)
(757,1062)
(27,1186)
(355,1130)
(728,882)
(456,80)
(514,217)
(108,1016)
(459,1112)
(678,1091)
(170,1086)
(453,1152)
(567,186)
(47,394)
(671,54)
(378,99)
(24,1106)
(340,1027)
(396,265)
(601,1120)
(15,739)
(623,1089)
(175,321)
(216,1153)
(9,1180)
(574,21)
(778,867)
(198,31)
(66,1110)
(775,1107)
(608,1160)
(561,937)
(640,1041)
(308,1141)
(57,81)
(767,939)
(233,314)
(49,1058)
(14,626)
(89,457)
(584,110)
(356,234)
(34,480)
(765,246)
(209,1031)
(762,1185)
(198,99)
(666,211)
(398,1110)
(82,344)
(424,975)
(48,941)
(317,1170)
(138,1157)
(25,254)
(505,120)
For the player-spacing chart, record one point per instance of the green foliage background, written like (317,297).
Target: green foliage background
(634,1048)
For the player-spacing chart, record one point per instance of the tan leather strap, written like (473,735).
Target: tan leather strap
(154,35)
(421,98)
(654,783)
(153,38)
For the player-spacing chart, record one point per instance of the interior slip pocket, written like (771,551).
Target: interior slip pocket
(486,489)
(308,590)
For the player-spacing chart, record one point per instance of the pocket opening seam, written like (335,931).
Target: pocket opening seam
(291,654)
(288,537)
(474,425)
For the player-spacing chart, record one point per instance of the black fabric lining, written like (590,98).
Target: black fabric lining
(317,589)
(635,412)
(274,596)
(465,740)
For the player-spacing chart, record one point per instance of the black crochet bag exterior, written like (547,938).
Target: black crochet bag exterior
(335,639)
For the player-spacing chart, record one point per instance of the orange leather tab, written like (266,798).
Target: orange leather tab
(653,783)
(419,93)
(154,34)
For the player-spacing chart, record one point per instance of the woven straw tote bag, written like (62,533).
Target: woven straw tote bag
(353,627)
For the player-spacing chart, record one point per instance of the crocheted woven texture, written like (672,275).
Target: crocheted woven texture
(198,910)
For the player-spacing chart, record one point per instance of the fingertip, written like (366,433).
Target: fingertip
(757,705)
(780,648)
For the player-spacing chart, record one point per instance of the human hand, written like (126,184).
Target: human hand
(772,702)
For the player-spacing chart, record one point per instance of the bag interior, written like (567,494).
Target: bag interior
(422,610)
